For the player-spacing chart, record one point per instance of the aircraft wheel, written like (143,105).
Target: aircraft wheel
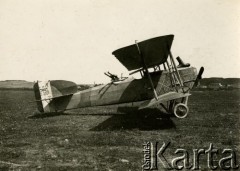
(181,110)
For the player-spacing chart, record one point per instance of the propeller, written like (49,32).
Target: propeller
(199,76)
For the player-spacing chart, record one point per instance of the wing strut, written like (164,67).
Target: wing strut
(175,67)
(146,69)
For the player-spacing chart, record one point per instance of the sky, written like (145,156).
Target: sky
(74,39)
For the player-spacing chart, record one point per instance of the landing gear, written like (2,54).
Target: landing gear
(179,107)
(180,110)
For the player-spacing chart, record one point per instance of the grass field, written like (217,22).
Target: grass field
(86,140)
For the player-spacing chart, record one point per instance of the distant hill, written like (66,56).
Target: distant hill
(223,81)
(16,84)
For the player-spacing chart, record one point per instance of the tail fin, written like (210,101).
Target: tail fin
(46,91)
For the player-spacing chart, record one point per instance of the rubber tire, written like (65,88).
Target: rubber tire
(180,107)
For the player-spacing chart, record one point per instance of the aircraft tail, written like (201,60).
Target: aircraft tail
(46,91)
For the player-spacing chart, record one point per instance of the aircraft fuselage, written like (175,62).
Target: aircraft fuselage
(129,90)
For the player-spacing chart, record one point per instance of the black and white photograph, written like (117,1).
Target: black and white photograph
(119,85)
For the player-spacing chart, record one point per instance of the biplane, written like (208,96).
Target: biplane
(162,83)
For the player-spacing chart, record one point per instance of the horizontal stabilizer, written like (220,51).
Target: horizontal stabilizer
(45,91)
(163,98)
(55,88)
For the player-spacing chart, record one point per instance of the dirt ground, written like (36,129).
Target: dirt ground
(102,138)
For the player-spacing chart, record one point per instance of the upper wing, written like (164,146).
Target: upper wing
(155,51)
